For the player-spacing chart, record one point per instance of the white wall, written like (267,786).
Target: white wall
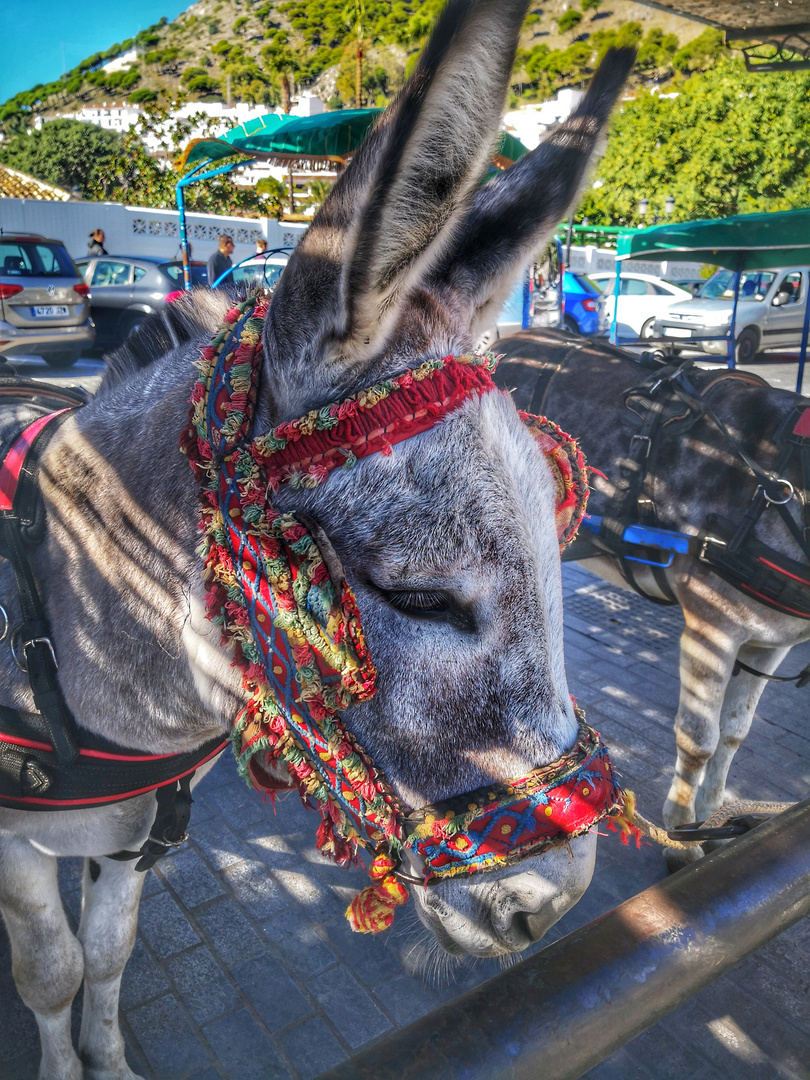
(134,230)
(590,259)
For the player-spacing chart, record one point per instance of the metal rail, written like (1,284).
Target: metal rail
(561,1012)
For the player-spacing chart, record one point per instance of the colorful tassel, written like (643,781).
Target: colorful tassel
(372,910)
(624,822)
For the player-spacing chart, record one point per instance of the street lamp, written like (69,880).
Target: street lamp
(643,206)
(669,205)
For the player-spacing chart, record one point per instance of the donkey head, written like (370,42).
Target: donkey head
(449,542)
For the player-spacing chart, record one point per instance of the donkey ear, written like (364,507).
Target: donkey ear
(391,215)
(513,214)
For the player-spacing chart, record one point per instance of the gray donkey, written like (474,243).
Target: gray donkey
(449,542)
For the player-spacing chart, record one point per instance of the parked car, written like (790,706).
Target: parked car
(44,304)
(642,297)
(125,289)
(582,299)
(770,313)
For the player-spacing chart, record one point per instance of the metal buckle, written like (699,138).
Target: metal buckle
(706,541)
(171,843)
(25,647)
(4,617)
(17,653)
(641,438)
(778,502)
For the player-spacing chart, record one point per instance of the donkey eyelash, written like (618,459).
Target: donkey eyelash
(425,603)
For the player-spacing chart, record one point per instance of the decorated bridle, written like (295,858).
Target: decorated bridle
(294,629)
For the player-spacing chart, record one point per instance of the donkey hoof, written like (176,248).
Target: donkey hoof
(677,858)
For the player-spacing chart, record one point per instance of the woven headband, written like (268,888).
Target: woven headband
(295,631)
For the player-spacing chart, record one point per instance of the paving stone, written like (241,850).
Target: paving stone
(318,901)
(142,979)
(271,992)
(166,1039)
(152,885)
(211,1073)
(619,1066)
(21,1068)
(190,878)
(238,804)
(405,999)
(243,1049)
(164,926)
(255,888)
(311,1048)
(373,957)
(295,939)
(667,1058)
(348,1007)
(203,986)
(219,845)
(228,932)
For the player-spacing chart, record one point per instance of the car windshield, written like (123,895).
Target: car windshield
(754,285)
(174,270)
(35,258)
(264,273)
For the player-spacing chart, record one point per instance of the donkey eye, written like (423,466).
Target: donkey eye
(419,603)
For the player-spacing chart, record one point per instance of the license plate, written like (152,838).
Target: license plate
(677,331)
(51,310)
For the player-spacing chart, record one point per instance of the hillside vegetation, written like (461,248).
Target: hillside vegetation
(694,125)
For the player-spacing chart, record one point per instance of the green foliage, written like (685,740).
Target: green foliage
(192,73)
(239,23)
(204,84)
(67,153)
(142,96)
(588,5)
(731,142)
(701,53)
(568,20)
(272,194)
(657,51)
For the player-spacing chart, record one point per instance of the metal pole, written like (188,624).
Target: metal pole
(181,208)
(614,323)
(732,344)
(805,326)
(561,1012)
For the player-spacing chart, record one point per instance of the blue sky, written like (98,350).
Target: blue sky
(33,33)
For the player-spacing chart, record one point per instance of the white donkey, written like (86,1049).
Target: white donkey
(448,542)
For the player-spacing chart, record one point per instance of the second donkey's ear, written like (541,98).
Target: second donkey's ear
(393,213)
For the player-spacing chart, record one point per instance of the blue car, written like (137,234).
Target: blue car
(581,303)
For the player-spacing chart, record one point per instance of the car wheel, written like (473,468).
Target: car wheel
(648,329)
(131,325)
(63,359)
(570,325)
(747,345)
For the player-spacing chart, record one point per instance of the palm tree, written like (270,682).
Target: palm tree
(354,15)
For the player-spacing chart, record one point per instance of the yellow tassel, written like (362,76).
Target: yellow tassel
(372,910)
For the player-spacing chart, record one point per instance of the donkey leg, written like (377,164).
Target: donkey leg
(740,702)
(111,891)
(705,668)
(46,958)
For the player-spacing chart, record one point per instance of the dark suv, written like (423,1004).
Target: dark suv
(125,289)
(44,304)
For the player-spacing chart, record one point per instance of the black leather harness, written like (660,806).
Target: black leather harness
(46,761)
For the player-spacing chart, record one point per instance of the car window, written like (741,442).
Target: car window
(792,285)
(138,273)
(110,272)
(754,285)
(636,287)
(29,258)
(174,271)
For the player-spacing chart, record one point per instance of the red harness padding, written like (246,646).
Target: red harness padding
(46,761)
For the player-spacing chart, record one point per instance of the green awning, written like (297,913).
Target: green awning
(744,242)
(332,136)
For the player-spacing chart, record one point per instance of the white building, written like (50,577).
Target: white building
(121,63)
(532,123)
(112,117)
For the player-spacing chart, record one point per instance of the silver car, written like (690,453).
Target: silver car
(44,302)
(770,313)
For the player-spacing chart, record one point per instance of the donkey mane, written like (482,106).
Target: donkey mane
(191,317)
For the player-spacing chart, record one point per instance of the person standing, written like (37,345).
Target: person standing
(261,247)
(220,261)
(95,245)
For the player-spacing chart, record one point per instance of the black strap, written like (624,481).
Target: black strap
(169,828)
(802,679)
(16,533)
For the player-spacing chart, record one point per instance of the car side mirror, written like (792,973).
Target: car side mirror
(780,299)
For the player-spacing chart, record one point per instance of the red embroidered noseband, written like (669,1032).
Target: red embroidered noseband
(295,632)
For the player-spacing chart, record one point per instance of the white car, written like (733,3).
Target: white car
(642,299)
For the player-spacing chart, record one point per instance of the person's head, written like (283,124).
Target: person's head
(261,246)
(98,234)
(226,244)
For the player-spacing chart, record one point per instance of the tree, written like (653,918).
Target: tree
(568,20)
(587,5)
(68,153)
(354,15)
(730,142)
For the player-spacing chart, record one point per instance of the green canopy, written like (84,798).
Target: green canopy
(332,136)
(744,242)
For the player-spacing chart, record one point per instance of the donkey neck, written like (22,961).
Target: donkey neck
(139,663)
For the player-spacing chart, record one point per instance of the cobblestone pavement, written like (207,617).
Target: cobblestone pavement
(244,968)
